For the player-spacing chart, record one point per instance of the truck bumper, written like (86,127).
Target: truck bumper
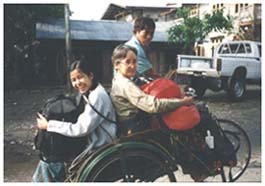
(213,83)
(212,73)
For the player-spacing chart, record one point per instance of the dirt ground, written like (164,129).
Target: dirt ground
(20,109)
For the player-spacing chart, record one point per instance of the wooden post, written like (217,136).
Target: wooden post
(68,49)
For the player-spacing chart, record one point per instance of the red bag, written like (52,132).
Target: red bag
(184,117)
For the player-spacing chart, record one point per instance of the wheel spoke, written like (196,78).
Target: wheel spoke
(241,143)
(132,166)
(124,169)
(153,175)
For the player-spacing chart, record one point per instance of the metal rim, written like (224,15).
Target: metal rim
(238,89)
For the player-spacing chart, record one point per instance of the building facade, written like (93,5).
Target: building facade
(246,18)
(130,13)
(94,41)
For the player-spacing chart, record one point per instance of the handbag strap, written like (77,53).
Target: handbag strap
(107,119)
(101,115)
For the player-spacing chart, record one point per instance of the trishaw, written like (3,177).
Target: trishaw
(155,155)
(158,153)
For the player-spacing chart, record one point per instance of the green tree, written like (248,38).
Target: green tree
(20,19)
(193,29)
(19,33)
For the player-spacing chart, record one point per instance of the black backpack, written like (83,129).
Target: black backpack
(54,147)
(204,160)
(224,149)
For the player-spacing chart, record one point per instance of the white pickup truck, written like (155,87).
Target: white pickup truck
(234,64)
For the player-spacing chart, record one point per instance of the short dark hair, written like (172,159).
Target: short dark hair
(120,52)
(142,23)
(86,68)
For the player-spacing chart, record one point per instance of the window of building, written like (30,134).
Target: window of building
(217,39)
(240,7)
(236,8)
(194,12)
(218,7)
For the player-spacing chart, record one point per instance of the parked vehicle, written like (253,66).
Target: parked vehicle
(234,64)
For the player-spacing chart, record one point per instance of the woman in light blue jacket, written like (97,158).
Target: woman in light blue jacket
(89,123)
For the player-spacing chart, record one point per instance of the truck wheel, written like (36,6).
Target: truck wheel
(198,85)
(237,89)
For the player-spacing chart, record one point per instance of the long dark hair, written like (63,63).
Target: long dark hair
(86,68)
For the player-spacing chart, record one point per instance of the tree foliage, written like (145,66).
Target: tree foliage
(20,20)
(19,37)
(193,29)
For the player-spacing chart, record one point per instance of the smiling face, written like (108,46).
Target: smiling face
(81,81)
(128,65)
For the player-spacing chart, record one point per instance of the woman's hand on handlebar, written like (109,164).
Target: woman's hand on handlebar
(187,100)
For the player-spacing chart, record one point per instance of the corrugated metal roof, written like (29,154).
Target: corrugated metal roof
(103,30)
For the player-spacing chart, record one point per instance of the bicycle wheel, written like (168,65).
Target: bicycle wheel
(242,146)
(132,166)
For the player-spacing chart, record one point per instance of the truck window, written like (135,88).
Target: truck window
(241,49)
(248,48)
(233,47)
(220,49)
(225,49)
(185,63)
